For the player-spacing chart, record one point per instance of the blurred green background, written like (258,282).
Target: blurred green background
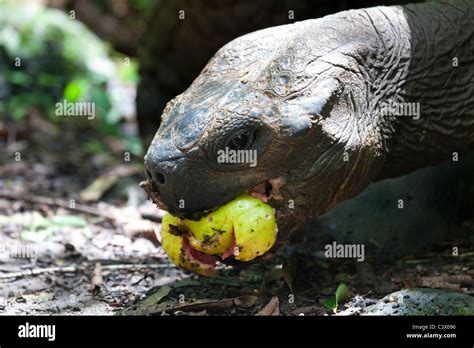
(47,56)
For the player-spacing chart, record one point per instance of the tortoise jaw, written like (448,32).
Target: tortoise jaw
(266,190)
(151,191)
(155,197)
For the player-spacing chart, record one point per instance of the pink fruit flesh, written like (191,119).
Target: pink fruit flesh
(198,255)
(231,249)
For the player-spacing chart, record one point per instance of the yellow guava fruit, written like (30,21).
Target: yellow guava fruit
(245,228)
(177,248)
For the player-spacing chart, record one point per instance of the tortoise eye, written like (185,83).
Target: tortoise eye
(242,140)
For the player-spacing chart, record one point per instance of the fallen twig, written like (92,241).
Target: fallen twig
(97,278)
(106,181)
(73,269)
(56,202)
(241,301)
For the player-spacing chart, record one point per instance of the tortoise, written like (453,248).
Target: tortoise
(328,105)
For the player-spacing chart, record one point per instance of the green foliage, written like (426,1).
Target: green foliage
(462,311)
(47,57)
(75,89)
(41,229)
(142,6)
(93,147)
(129,72)
(342,292)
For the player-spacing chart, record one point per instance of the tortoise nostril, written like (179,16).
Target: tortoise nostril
(160,178)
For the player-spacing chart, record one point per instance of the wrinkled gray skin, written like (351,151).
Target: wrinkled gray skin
(312,93)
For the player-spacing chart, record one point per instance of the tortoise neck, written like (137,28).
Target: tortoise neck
(431,114)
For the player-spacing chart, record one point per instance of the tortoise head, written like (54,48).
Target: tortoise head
(277,121)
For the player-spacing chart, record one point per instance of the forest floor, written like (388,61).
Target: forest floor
(81,239)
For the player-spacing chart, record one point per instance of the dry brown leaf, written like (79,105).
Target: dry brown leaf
(103,183)
(272,308)
(160,294)
(245,300)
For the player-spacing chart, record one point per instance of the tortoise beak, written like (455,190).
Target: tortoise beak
(178,184)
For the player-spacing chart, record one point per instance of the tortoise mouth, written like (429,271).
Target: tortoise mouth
(262,191)
(153,194)
(266,190)
(269,189)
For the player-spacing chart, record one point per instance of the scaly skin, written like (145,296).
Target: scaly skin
(312,94)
